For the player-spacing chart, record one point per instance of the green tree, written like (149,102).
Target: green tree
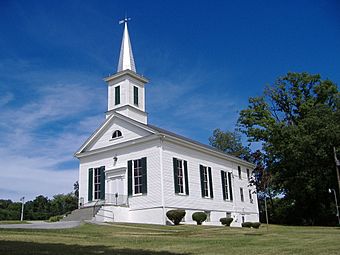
(9,210)
(229,142)
(38,209)
(61,204)
(298,122)
(76,189)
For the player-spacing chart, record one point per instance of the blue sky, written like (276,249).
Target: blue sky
(204,60)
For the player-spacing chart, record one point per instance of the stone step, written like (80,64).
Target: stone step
(80,214)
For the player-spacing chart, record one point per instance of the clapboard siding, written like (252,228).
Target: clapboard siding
(147,149)
(129,132)
(195,200)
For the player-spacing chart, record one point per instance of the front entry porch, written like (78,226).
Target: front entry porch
(116,188)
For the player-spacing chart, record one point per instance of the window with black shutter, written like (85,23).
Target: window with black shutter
(96,187)
(137,176)
(181,176)
(206,182)
(226,185)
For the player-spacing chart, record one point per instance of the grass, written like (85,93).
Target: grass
(13,222)
(152,239)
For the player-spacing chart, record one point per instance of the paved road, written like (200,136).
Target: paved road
(43,225)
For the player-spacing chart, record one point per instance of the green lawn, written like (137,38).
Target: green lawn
(151,239)
(13,222)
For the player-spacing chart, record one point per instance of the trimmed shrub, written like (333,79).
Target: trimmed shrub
(255,224)
(199,217)
(226,221)
(175,216)
(56,218)
(246,224)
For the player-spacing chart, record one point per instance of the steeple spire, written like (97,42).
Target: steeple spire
(126,60)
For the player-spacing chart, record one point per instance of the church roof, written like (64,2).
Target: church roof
(202,145)
(126,60)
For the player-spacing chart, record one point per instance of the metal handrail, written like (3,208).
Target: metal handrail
(116,199)
(96,207)
(111,199)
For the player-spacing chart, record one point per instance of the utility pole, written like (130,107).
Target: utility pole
(265,207)
(22,208)
(337,165)
(336,204)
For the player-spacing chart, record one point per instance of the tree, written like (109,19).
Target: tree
(298,122)
(229,142)
(61,204)
(76,189)
(9,210)
(38,209)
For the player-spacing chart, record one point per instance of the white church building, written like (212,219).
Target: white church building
(131,171)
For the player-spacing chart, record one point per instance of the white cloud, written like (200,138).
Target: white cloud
(6,98)
(32,176)
(41,134)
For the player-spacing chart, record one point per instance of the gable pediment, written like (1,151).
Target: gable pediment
(103,137)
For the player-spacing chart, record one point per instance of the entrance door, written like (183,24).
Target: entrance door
(117,195)
(118,186)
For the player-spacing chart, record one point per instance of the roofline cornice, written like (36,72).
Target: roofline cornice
(126,72)
(203,149)
(117,146)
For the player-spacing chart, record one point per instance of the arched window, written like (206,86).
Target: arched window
(116,134)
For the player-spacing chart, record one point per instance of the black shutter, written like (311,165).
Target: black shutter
(210,183)
(223,184)
(174,160)
(144,176)
(135,95)
(90,186)
(186,177)
(230,186)
(202,180)
(129,177)
(117,95)
(102,183)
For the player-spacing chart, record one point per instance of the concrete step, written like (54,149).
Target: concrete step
(104,214)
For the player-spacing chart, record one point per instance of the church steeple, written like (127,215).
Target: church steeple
(126,88)
(126,60)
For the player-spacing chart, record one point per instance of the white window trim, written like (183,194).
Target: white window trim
(183,177)
(94,184)
(226,173)
(133,180)
(208,181)
(116,138)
